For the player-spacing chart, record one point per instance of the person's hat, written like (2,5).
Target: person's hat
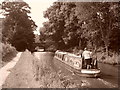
(85,48)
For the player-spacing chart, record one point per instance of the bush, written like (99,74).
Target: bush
(7,50)
(51,48)
(113,58)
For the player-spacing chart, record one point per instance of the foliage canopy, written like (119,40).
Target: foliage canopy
(83,24)
(18,25)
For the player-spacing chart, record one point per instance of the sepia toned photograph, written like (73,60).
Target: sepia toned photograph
(59,44)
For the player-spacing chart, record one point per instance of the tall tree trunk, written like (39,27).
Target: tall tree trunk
(105,38)
(80,43)
(107,50)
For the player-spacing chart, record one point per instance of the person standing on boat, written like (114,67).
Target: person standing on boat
(87,56)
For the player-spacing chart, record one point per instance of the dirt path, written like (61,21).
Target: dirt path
(22,75)
(5,71)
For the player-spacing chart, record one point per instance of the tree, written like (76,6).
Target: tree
(109,23)
(93,24)
(18,26)
(100,22)
(62,22)
(107,19)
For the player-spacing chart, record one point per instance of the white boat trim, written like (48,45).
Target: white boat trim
(90,71)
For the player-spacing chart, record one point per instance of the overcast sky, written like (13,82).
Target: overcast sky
(37,8)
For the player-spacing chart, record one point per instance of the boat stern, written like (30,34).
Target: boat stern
(91,72)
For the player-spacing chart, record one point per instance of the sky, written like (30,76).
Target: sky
(37,9)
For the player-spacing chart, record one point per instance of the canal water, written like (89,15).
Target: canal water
(109,72)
